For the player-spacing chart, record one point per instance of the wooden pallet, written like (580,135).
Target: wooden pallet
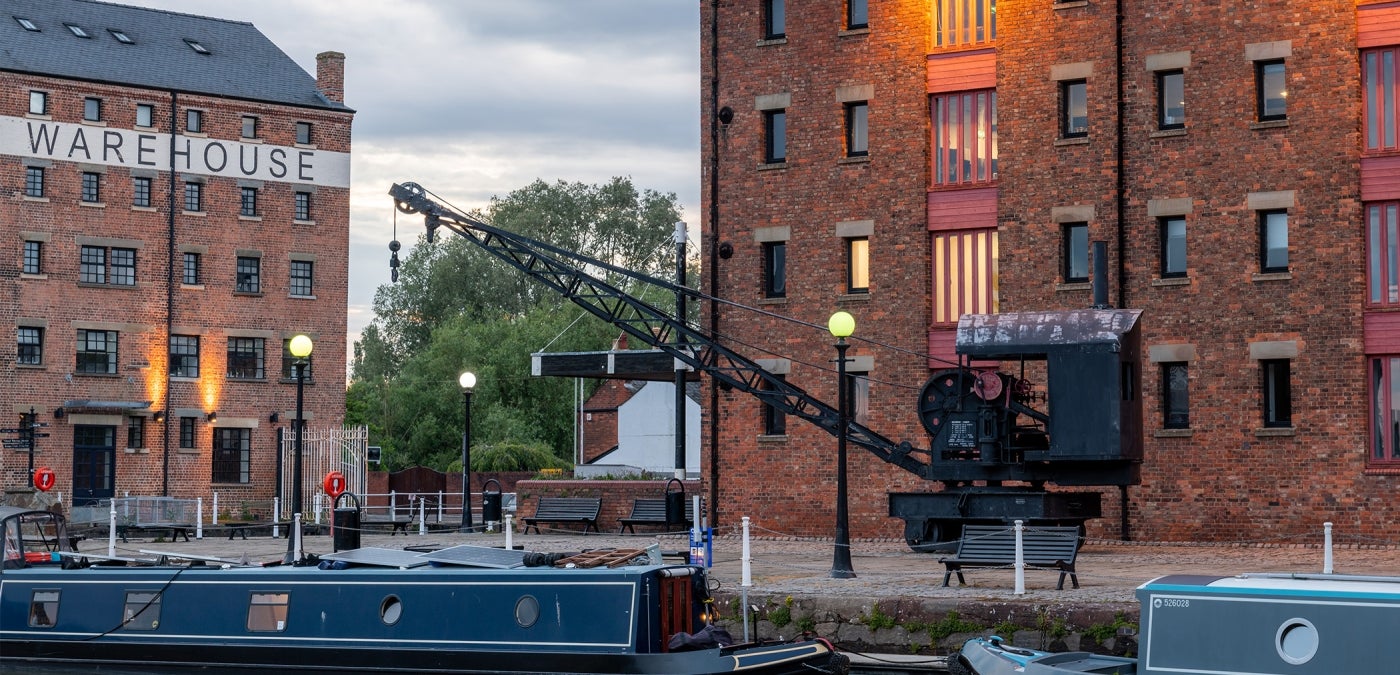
(612,557)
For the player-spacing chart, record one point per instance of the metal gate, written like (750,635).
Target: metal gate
(323,451)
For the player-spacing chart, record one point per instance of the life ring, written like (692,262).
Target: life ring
(334,484)
(44,479)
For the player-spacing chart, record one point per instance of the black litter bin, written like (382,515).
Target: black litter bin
(675,503)
(345,523)
(491,503)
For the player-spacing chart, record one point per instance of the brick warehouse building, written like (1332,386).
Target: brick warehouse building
(176,201)
(913,161)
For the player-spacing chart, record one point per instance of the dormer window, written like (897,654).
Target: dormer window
(27,24)
(77,30)
(121,36)
(197,47)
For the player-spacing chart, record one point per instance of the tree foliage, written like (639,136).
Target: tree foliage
(456,308)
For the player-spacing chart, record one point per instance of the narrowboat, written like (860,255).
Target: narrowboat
(1251,624)
(465,609)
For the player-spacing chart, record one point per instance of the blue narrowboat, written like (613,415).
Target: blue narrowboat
(461,610)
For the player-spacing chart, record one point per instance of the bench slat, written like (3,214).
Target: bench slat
(995,546)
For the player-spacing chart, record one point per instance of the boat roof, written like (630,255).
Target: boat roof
(1279,583)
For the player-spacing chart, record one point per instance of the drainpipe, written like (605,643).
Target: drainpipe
(169,296)
(1124,532)
(714,255)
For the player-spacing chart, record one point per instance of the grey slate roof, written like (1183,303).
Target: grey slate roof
(242,64)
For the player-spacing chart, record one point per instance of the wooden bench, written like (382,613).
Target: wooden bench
(397,524)
(176,530)
(995,546)
(652,511)
(566,510)
(235,529)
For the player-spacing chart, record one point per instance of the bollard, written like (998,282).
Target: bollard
(214,519)
(1327,548)
(510,530)
(746,578)
(112,530)
(422,518)
(199,518)
(1020,562)
(276,515)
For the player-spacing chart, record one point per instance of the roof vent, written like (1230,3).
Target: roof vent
(195,45)
(27,24)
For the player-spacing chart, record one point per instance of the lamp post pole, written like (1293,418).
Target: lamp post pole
(467,381)
(300,347)
(841,326)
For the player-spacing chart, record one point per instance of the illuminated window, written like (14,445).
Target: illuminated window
(964,274)
(1272,86)
(964,137)
(964,22)
(858,265)
(1383,253)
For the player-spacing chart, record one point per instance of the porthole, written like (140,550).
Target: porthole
(390,610)
(1297,641)
(527,611)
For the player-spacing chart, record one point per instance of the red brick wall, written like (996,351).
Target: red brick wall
(143,313)
(600,418)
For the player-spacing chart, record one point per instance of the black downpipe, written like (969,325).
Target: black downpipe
(1124,531)
(714,255)
(169,295)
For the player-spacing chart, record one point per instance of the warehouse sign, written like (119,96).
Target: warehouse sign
(63,142)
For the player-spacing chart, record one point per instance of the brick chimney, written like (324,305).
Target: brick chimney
(330,75)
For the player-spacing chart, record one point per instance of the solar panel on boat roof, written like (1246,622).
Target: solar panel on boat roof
(382,557)
(477,556)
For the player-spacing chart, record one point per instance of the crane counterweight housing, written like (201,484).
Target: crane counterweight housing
(996,436)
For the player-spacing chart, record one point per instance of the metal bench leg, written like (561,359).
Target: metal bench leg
(946,576)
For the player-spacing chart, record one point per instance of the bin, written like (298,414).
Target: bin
(491,503)
(675,503)
(345,524)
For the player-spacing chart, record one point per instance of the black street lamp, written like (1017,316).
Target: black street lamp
(841,325)
(300,347)
(468,381)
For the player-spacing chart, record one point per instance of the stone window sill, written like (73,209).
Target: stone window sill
(1271,276)
(1167,133)
(772,438)
(256,219)
(144,209)
(1070,5)
(93,205)
(853,297)
(30,198)
(137,451)
(1074,286)
(196,214)
(191,287)
(301,297)
(773,166)
(31,366)
(1171,281)
(1267,432)
(249,294)
(303,222)
(772,41)
(36,277)
(94,123)
(1077,140)
(771,301)
(1172,433)
(847,32)
(1268,124)
(857,159)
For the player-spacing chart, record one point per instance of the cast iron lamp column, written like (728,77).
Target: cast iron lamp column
(841,325)
(468,381)
(300,347)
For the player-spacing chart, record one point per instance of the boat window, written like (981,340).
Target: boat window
(142,610)
(43,609)
(391,610)
(527,611)
(267,612)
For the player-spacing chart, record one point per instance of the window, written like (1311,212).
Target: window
(1383,253)
(1074,109)
(123,267)
(964,22)
(1171,100)
(38,103)
(1176,401)
(1277,391)
(231,454)
(34,181)
(289,371)
(142,611)
(267,612)
(774,136)
(197,47)
(1173,237)
(184,356)
(31,346)
(248,202)
(249,278)
(43,609)
(1273,241)
(190,275)
(92,187)
(857,14)
(858,396)
(250,126)
(857,129)
(77,30)
(1272,86)
(135,432)
(303,206)
(97,352)
(1378,76)
(304,133)
(121,36)
(774,20)
(1385,408)
(858,265)
(187,432)
(92,109)
(964,137)
(245,358)
(194,121)
(774,419)
(964,274)
(775,269)
(141,192)
(27,24)
(194,197)
(92,265)
(33,257)
(301,277)
(145,115)
(1076,252)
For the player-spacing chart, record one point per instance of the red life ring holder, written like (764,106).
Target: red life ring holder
(334,484)
(44,479)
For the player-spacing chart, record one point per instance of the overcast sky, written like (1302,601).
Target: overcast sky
(474,98)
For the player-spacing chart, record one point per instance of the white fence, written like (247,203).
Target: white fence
(324,451)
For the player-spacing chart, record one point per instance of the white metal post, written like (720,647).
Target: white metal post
(746,579)
(1020,562)
(214,518)
(510,530)
(276,515)
(1327,548)
(422,517)
(112,529)
(199,518)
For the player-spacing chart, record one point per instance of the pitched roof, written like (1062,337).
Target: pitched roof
(241,62)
